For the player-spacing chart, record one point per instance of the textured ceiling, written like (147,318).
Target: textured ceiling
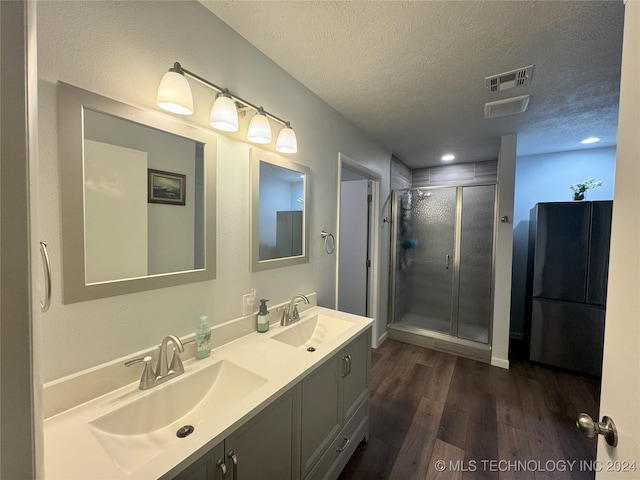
(411,74)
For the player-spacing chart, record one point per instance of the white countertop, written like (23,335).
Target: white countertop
(73,451)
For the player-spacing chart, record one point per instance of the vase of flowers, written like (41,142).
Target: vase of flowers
(580,189)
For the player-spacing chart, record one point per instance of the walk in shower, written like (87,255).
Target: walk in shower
(442,280)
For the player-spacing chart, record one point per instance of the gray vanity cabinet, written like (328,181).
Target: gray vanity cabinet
(321,412)
(335,410)
(205,467)
(262,448)
(309,433)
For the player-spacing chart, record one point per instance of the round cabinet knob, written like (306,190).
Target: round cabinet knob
(591,428)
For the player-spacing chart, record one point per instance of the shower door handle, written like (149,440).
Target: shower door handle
(447,261)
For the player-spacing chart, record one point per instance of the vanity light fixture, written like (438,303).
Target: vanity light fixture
(174,95)
(259,128)
(286,142)
(224,114)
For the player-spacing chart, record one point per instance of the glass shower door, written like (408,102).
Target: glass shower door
(476,262)
(425,263)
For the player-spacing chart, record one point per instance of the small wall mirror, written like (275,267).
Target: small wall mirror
(138,198)
(279,192)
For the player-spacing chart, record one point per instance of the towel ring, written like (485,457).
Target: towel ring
(329,247)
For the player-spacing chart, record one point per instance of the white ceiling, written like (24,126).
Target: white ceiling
(411,74)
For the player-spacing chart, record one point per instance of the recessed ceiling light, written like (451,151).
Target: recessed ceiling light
(589,140)
(448,157)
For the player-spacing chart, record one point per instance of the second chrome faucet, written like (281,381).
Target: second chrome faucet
(290,314)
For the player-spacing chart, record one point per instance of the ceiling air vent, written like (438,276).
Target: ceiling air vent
(508,106)
(507,80)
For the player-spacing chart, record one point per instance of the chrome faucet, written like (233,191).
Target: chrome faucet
(175,368)
(290,314)
(163,371)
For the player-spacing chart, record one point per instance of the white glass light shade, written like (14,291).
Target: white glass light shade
(224,114)
(287,142)
(259,129)
(174,94)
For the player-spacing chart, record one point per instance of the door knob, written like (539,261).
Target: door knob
(590,428)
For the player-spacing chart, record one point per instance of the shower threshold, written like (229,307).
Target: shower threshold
(440,341)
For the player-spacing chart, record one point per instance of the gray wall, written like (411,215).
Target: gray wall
(121,50)
(546,178)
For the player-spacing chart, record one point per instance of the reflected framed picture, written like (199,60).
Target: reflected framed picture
(166,187)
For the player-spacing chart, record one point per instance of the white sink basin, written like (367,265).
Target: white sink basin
(313,332)
(135,432)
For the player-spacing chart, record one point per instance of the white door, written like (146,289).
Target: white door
(115,212)
(353,247)
(620,396)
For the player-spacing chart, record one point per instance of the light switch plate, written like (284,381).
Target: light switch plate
(247,303)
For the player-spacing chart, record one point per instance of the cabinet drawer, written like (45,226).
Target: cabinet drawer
(337,455)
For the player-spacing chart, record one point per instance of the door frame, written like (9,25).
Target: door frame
(373,275)
(21,425)
(620,368)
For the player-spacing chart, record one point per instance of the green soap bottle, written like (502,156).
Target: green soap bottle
(262,321)
(203,338)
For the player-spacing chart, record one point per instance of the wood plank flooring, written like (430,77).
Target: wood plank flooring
(483,422)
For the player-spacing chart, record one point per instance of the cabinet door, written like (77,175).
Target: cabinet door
(263,448)
(321,414)
(206,467)
(601,213)
(561,251)
(568,335)
(354,370)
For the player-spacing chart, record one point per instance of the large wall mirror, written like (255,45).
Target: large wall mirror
(138,198)
(279,227)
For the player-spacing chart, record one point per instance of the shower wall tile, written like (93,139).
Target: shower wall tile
(421,177)
(477,172)
(486,171)
(400,174)
(448,174)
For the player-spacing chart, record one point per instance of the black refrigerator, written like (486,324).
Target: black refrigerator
(568,267)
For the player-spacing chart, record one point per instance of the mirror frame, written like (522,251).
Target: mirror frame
(71,102)
(257,265)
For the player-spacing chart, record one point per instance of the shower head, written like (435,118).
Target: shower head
(423,194)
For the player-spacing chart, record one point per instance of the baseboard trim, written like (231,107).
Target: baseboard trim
(440,342)
(380,339)
(500,362)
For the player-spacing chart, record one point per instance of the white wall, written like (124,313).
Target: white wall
(503,256)
(121,50)
(546,178)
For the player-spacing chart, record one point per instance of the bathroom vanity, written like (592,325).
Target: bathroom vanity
(288,404)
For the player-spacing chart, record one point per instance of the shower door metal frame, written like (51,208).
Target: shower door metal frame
(455,307)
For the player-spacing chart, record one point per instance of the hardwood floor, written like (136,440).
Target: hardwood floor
(433,411)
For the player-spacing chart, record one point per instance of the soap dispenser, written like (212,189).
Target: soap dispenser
(262,324)
(203,338)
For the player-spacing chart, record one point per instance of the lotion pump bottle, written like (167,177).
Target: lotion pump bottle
(262,324)
(203,338)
